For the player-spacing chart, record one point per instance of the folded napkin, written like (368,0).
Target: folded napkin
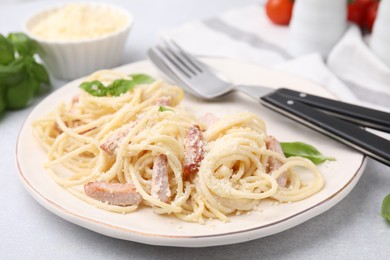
(351,71)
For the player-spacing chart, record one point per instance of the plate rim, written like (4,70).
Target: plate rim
(73,217)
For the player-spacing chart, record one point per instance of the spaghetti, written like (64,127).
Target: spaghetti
(142,149)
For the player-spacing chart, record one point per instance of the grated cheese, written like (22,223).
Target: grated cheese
(79,21)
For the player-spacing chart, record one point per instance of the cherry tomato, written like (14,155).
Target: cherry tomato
(279,11)
(365,3)
(356,13)
(371,15)
(363,13)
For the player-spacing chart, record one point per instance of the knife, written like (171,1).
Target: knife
(309,110)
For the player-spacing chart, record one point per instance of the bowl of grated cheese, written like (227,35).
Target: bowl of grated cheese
(79,38)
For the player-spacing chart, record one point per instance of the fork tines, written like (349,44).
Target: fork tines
(171,53)
(167,61)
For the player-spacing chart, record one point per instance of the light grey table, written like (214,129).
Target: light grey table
(353,229)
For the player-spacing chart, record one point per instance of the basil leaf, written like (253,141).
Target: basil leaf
(139,79)
(304,150)
(23,44)
(12,73)
(163,109)
(386,208)
(6,51)
(20,75)
(19,95)
(39,73)
(120,86)
(116,88)
(95,88)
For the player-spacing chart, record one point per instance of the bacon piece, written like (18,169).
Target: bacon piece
(111,144)
(273,163)
(120,194)
(194,151)
(57,128)
(208,119)
(160,180)
(75,99)
(164,101)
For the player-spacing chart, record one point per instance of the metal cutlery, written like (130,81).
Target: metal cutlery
(316,112)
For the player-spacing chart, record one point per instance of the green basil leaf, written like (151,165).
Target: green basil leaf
(23,44)
(39,72)
(7,53)
(20,75)
(163,109)
(304,150)
(15,66)
(139,79)
(386,207)
(120,86)
(95,88)
(116,88)
(19,95)
(12,73)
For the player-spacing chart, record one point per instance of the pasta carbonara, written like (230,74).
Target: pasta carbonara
(141,149)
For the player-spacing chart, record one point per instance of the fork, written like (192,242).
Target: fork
(203,81)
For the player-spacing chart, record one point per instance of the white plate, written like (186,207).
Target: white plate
(147,227)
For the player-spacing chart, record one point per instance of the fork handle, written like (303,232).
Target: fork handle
(357,114)
(345,132)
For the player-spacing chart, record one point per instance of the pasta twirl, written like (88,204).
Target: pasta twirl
(137,151)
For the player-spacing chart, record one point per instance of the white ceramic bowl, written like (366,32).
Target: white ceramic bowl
(70,59)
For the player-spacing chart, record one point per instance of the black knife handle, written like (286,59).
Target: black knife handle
(350,134)
(359,115)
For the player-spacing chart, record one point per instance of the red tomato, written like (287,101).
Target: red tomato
(362,12)
(371,15)
(365,3)
(279,11)
(356,13)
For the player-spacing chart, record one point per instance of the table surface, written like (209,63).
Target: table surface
(353,229)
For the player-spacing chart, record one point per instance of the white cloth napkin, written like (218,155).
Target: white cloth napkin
(351,71)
